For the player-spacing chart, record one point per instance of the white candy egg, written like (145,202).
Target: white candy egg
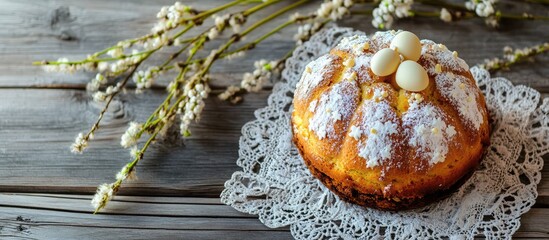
(385,62)
(411,76)
(408,45)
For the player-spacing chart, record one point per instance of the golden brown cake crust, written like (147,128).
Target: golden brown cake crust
(426,160)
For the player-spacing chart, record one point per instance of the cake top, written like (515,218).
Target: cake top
(347,97)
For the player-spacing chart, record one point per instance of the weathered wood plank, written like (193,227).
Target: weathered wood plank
(34,151)
(126,205)
(52,216)
(24,223)
(72,232)
(35,31)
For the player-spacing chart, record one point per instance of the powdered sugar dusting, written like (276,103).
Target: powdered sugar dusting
(382,40)
(315,72)
(428,132)
(335,105)
(353,44)
(440,54)
(378,123)
(462,95)
(312,105)
(362,64)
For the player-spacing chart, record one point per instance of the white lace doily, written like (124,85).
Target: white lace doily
(276,185)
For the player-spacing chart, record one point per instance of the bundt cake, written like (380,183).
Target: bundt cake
(385,134)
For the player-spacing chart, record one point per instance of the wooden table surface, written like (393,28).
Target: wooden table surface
(46,190)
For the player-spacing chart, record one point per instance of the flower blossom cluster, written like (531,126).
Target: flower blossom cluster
(383,15)
(192,108)
(254,81)
(96,82)
(485,9)
(145,79)
(126,172)
(511,56)
(229,92)
(65,66)
(171,16)
(99,96)
(334,9)
(130,137)
(80,143)
(331,9)
(305,31)
(102,196)
(234,21)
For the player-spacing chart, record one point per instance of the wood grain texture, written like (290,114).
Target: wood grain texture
(176,195)
(53,29)
(39,216)
(36,136)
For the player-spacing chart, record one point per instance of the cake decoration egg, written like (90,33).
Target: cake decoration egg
(408,45)
(385,62)
(411,76)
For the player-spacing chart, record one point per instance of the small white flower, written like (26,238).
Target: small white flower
(334,9)
(116,52)
(483,8)
(102,66)
(304,32)
(221,21)
(213,33)
(92,86)
(134,152)
(229,92)
(492,21)
(80,143)
(126,173)
(99,96)
(102,196)
(130,137)
(51,68)
(177,42)
(445,15)
(295,16)
(163,12)
(236,22)
(383,15)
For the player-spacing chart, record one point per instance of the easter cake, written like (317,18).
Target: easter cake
(390,122)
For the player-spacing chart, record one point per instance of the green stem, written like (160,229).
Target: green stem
(444,4)
(523,17)
(130,166)
(538,1)
(272,16)
(258,7)
(95,126)
(467,15)
(95,59)
(519,57)
(212,11)
(425,14)
(252,44)
(186,29)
